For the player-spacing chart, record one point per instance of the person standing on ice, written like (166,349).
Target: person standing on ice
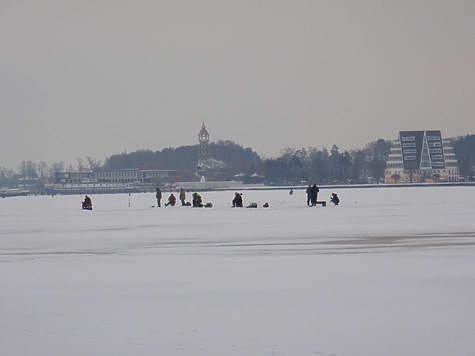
(158,195)
(309,189)
(314,194)
(182,196)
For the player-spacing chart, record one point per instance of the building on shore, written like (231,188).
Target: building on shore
(111,181)
(117,176)
(208,167)
(421,156)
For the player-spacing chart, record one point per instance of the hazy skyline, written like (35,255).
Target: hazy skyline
(94,78)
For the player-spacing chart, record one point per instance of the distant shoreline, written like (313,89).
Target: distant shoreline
(251,188)
(352,186)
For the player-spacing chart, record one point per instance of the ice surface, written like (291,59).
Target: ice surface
(389,272)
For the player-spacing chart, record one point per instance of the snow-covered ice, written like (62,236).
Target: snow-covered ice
(389,272)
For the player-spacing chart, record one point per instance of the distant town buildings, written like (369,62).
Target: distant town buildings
(421,156)
(118,176)
(134,179)
(110,181)
(415,157)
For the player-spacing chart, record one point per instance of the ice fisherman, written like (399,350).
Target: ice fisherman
(309,188)
(158,195)
(237,201)
(197,201)
(87,203)
(314,194)
(171,200)
(182,196)
(334,199)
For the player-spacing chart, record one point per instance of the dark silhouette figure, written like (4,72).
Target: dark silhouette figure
(314,194)
(87,203)
(197,201)
(291,192)
(309,188)
(182,196)
(334,199)
(158,195)
(237,201)
(171,200)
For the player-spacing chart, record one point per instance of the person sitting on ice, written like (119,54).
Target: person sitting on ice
(237,201)
(334,199)
(171,200)
(197,200)
(87,203)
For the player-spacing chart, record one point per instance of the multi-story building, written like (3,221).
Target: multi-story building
(70,177)
(117,176)
(421,156)
(158,175)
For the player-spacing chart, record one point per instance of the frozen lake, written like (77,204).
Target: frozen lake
(389,272)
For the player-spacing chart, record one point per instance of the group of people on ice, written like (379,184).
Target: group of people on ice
(196,202)
(312,195)
(237,202)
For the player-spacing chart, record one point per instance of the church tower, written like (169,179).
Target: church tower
(203,137)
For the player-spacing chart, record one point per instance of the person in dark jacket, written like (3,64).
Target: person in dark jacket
(158,195)
(314,194)
(87,203)
(197,200)
(237,201)
(182,196)
(334,199)
(309,189)
(171,200)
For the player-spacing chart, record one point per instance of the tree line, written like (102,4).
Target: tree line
(293,166)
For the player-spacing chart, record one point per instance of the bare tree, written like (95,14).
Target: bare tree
(93,163)
(57,167)
(43,170)
(81,166)
(28,169)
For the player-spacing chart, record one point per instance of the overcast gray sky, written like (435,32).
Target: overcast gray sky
(93,78)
